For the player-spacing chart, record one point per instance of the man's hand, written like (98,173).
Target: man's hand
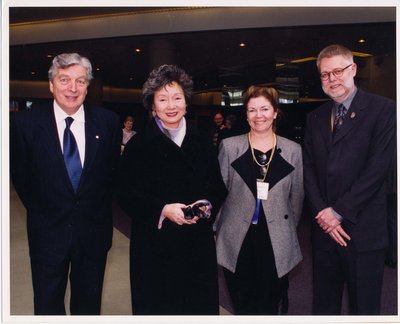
(331,225)
(327,220)
(338,234)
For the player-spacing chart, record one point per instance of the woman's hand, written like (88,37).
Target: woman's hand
(175,214)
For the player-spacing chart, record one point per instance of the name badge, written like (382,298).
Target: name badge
(262,190)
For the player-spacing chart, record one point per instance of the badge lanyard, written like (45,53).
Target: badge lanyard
(262,187)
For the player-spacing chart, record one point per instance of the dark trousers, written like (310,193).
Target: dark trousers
(361,271)
(50,280)
(255,288)
(391,254)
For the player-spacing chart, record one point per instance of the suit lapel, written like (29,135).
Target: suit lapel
(48,127)
(92,140)
(352,118)
(324,121)
(244,167)
(281,168)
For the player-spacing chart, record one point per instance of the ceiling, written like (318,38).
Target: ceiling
(213,57)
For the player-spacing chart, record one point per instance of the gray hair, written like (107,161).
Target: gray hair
(334,50)
(66,60)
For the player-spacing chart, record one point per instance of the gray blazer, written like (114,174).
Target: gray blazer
(282,208)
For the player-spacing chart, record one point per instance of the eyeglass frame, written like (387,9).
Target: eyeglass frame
(336,72)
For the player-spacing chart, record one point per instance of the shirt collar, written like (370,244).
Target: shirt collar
(60,114)
(348,101)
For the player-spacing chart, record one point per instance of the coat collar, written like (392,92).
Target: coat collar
(93,138)
(154,137)
(279,166)
(47,124)
(153,131)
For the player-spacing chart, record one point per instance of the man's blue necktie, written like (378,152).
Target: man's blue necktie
(71,155)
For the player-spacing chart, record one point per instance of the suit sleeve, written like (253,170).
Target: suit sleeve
(116,142)
(297,189)
(133,192)
(216,186)
(374,173)
(313,192)
(224,163)
(19,166)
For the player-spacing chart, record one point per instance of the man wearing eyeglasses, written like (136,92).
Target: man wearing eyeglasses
(348,146)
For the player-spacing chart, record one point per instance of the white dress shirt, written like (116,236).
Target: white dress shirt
(77,128)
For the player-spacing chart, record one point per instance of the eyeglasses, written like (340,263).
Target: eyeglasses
(336,72)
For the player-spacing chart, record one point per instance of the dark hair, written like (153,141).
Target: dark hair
(269,93)
(162,76)
(129,118)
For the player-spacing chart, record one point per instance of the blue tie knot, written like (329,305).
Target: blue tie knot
(69,121)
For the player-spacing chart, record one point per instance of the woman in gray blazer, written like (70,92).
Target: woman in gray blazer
(257,242)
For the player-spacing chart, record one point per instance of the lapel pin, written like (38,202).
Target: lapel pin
(353,114)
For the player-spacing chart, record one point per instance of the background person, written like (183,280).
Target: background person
(257,241)
(231,127)
(65,181)
(217,132)
(164,169)
(349,145)
(127,131)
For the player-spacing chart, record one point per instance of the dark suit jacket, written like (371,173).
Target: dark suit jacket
(54,211)
(348,173)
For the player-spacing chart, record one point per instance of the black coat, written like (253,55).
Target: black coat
(173,269)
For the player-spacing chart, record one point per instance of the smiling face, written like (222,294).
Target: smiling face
(260,115)
(218,119)
(170,104)
(69,88)
(338,88)
(128,125)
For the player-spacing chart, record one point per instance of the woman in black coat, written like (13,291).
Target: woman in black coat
(164,170)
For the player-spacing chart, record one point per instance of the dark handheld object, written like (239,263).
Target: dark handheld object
(191,211)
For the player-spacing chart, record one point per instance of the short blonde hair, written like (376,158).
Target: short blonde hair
(334,50)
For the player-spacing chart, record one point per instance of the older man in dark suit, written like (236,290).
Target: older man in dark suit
(349,144)
(63,157)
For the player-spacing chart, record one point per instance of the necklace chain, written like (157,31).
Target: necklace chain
(270,158)
(254,157)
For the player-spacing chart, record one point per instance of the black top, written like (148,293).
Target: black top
(262,158)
